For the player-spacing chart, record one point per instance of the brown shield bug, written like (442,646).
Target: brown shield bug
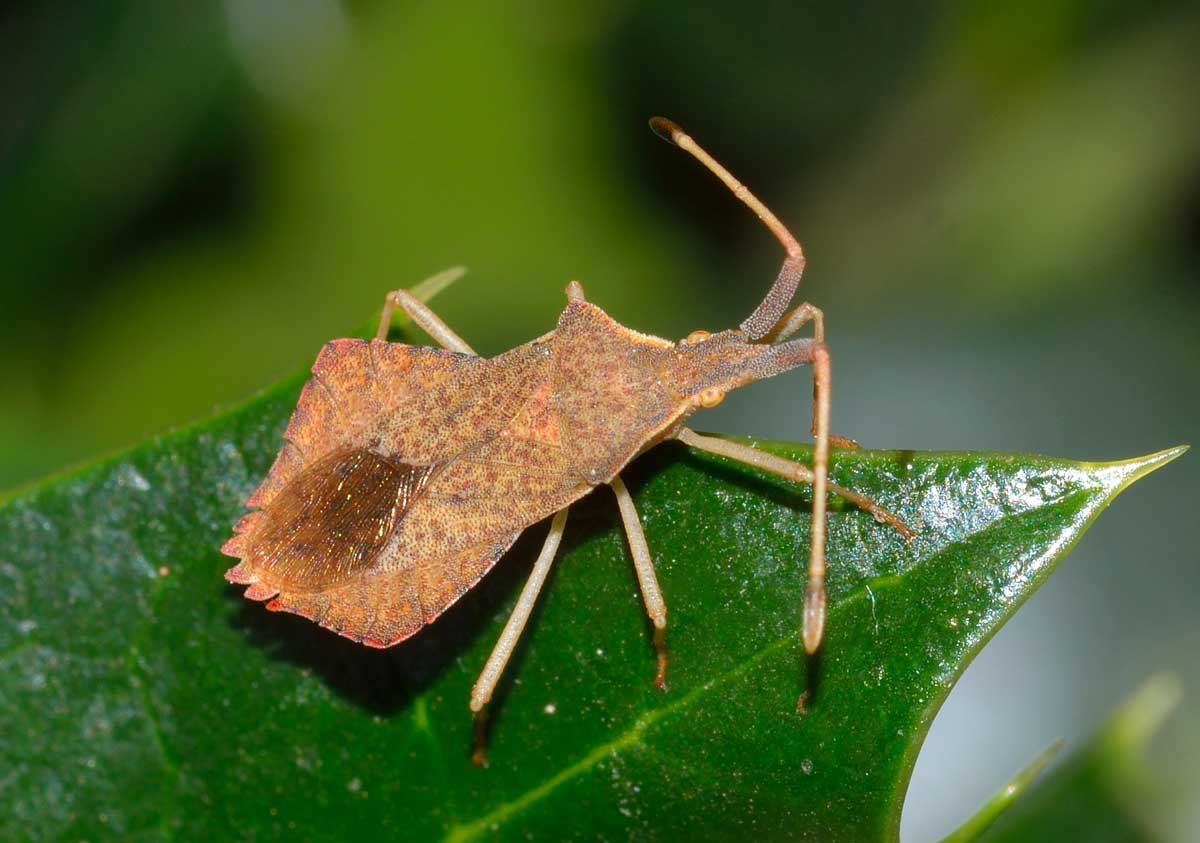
(407,471)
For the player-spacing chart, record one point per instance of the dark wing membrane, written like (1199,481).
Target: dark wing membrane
(331,521)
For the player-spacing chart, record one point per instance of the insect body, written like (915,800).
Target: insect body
(408,471)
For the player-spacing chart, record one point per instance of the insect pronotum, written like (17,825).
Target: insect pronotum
(407,471)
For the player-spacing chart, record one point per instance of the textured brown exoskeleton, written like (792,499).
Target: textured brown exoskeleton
(408,471)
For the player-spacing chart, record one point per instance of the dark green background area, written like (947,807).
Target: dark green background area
(1000,203)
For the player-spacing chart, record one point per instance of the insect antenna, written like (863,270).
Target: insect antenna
(772,307)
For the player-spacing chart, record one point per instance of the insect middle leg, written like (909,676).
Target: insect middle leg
(643,563)
(814,597)
(420,312)
(485,685)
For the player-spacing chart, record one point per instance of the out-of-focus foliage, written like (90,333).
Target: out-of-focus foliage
(240,178)
(986,816)
(1098,794)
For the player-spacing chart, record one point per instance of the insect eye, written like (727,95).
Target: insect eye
(710,396)
(696,336)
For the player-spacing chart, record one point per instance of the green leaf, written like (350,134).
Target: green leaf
(143,698)
(1095,795)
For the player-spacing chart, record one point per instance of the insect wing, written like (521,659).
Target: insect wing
(331,522)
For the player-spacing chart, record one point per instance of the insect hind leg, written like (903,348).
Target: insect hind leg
(575,292)
(410,301)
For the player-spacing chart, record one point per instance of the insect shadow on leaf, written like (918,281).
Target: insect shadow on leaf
(385,681)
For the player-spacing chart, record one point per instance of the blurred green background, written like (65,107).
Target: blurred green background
(1000,203)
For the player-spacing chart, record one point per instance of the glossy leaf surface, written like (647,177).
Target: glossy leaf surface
(142,698)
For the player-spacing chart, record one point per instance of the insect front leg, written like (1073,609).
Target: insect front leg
(814,597)
(420,313)
(643,563)
(798,318)
(485,685)
(791,324)
(814,594)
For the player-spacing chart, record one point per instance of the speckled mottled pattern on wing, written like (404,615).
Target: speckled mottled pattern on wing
(373,425)
(472,452)
(607,389)
(387,607)
(415,405)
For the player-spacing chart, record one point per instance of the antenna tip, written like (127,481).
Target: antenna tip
(666,129)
